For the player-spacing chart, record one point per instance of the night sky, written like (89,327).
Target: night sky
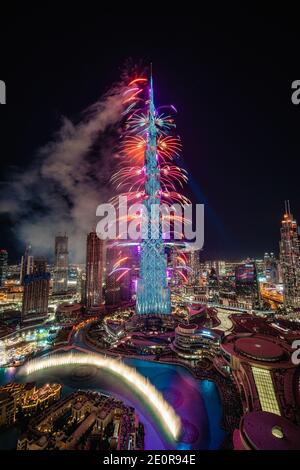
(232,89)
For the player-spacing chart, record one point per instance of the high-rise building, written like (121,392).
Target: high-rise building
(81,286)
(112,288)
(270,270)
(230,268)
(26,264)
(173,266)
(219,267)
(192,260)
(153,293)
(3,267)
(39,265)
(60,277)
(260,264)
(246,283)
(290,259)
(94,270)
(213,285)
(36,292)
(126,275)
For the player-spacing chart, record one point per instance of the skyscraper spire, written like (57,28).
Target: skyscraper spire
(287,207)
(151,104)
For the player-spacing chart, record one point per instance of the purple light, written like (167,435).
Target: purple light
(134,285)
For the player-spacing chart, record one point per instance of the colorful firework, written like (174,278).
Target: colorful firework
(130,177)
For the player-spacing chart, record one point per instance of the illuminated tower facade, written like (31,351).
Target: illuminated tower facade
(153,294)
(26,264)
(94,270)
(60,278)
(36,293)
(290,259)
(112,289)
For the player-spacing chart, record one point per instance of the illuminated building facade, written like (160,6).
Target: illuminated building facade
(213,285)
(218,266)
(195,266)
(94,270)
(192,342)
(176,279)
(81,286)
(26,264)
(192,259)
(230,268)
(126,281)
(36,293)
(93,422)
(39,398)
(27,398)
(3,267)
(153,294)
(290,259)
(112,288)
(246,283)
(271,268)
(61,264)
(67,313)
(7,408)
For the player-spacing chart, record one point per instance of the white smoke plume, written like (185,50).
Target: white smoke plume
(67,180)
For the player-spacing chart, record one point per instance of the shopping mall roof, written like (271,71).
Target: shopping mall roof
(267,431)
(259,348)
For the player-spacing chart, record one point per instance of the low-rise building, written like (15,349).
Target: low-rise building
(26,399)
(192,342)
(83,420)
(7,408)
(263,372)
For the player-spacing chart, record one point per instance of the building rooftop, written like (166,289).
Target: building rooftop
(259,348)
(267,431)
(189,327)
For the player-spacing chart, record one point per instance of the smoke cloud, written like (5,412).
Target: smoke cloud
(67,180)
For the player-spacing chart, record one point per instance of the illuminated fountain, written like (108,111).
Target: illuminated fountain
(138,382)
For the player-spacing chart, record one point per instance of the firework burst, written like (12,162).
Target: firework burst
(130,177)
